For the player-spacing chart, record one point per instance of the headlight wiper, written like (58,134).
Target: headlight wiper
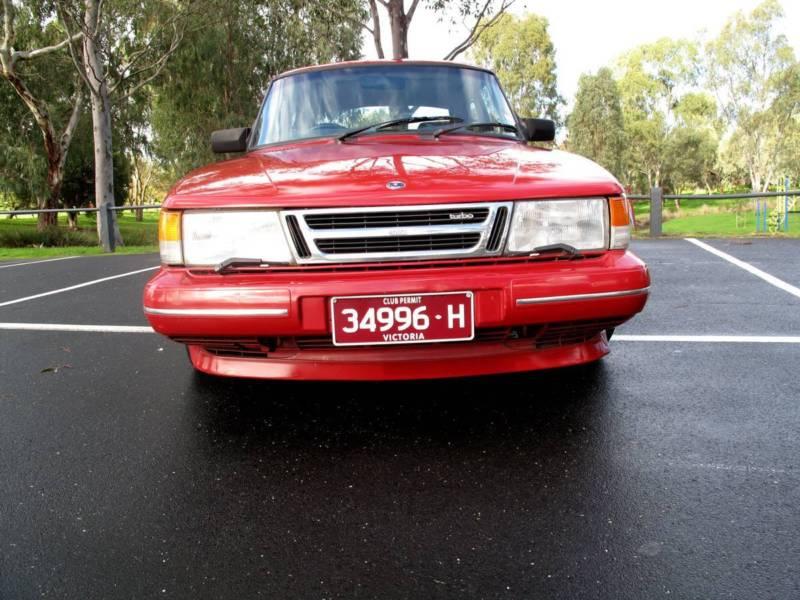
(572,251)
(446,130)
(233,263)
(385,124)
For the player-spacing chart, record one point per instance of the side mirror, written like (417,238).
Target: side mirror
(539,130)
(230,140)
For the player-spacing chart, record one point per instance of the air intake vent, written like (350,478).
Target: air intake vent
(410,243)
(410,218)
(383,233)
(497,229)
(297,237)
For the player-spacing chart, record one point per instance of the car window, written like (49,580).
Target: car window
(328,102)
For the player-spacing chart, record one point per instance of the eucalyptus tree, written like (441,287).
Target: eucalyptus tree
(596,125)
(519,50)
(755,75)
(218,76)
(652,79)
(117,49)
(42,39)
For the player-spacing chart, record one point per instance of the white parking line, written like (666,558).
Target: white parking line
(75,287)
(778,283)
(36,262)
(79,328)
(710,339)
(703,339)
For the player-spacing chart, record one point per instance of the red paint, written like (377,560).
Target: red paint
(452,169)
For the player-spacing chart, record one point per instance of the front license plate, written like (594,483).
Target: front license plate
(402,319)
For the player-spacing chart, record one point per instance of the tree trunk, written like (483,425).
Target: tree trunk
(399,25)
(101,123)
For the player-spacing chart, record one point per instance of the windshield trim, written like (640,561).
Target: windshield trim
(519,136)
(389,64)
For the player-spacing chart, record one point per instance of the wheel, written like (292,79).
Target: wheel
(609,333)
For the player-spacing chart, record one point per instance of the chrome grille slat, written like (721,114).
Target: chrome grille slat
(411,218)
(386,233)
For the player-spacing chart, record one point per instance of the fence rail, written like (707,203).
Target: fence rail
(106,214)
(655,198)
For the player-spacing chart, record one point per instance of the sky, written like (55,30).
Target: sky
(590,34)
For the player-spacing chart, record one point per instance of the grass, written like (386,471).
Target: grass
(720,218)
(20,239)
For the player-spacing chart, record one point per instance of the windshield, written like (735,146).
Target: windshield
(330,102)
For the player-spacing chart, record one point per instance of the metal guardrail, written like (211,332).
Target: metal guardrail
(657,197)
(106,214)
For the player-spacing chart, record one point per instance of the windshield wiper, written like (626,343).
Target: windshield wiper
(446,130)
(563,248)
(234,263)
(407,120)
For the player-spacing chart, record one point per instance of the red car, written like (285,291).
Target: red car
(389,220)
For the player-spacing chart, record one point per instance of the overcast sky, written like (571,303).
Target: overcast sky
(590,34)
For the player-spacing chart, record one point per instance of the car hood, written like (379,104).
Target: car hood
(322,173)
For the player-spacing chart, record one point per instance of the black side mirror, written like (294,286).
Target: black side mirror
(230,140)
(539,130)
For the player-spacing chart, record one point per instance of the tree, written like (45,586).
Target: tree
(56,140)
(596,126)
(124,46)
(754,74)
(652,78)
(482,14)
(218,76)
(521,52)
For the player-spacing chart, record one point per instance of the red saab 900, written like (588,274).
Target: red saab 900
(389,220)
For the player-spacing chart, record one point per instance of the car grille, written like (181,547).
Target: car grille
(409,218)
(411,243)
(325,236)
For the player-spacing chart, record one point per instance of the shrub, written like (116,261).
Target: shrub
(52,236)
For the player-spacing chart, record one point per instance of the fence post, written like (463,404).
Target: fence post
(106,216)
(786,204)
(656,206)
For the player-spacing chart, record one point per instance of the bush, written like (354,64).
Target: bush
(52,236)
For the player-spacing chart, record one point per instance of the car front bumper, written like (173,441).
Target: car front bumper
(205,310)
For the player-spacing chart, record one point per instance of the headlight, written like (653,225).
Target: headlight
(210,237)
(580,223)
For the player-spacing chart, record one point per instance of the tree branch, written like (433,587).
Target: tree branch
(156,67)
(478,28)
(8,26)
(20,55)
(411,10)
(376,28)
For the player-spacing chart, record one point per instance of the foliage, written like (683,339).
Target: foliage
(756,78)
(519,50)
(596,126)
(219,75)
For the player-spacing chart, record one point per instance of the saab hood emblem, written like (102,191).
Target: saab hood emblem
(396,185)
(461,216)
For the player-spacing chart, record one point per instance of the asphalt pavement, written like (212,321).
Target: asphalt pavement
(669,469)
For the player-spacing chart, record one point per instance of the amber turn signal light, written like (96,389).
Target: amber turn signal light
(621,221)
(169,237)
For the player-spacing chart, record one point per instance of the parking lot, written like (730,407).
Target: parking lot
(668,469)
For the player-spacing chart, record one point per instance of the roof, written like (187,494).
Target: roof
(395,62)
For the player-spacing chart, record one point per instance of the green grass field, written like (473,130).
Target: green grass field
(728,218)
(720,218)
(15,235)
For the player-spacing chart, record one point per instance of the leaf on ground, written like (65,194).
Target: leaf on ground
(55,369)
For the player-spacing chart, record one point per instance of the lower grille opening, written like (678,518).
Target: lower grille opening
(540,336)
